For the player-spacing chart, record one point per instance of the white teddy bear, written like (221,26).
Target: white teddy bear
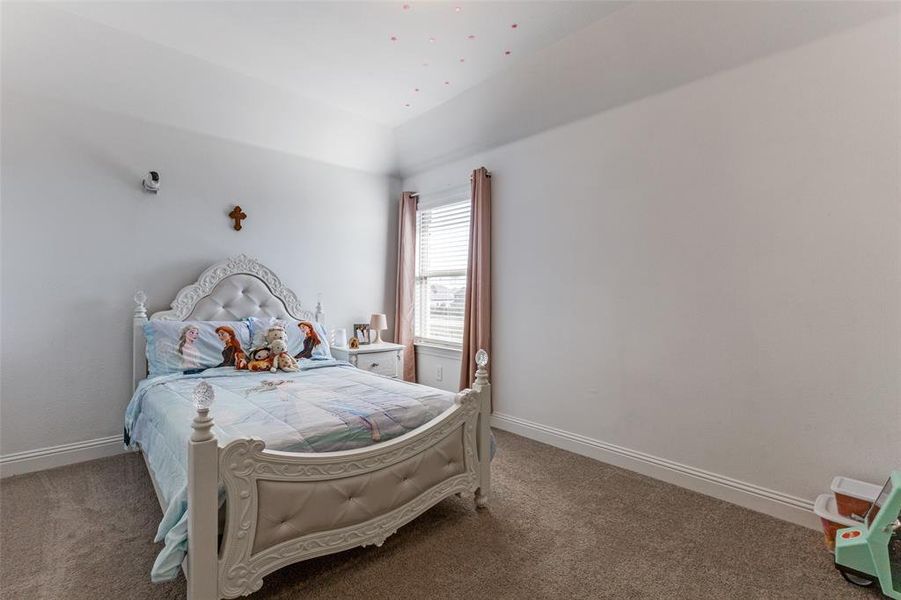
(276,332)
(281,358)
(277,340)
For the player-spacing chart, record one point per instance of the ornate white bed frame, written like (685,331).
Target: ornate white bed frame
(448,455)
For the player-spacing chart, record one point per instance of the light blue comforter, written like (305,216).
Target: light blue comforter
(327,406)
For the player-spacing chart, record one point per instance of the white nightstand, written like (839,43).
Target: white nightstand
(384,358)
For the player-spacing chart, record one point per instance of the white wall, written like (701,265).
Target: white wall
(79,235)
(438,367)
(711,274)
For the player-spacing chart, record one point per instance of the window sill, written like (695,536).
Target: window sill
(437,350)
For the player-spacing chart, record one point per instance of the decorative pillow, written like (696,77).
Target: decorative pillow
(306,339)
(192,346)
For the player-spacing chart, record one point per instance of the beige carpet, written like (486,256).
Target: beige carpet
(560,526)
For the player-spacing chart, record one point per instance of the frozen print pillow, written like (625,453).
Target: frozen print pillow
(306,339)
(192,346)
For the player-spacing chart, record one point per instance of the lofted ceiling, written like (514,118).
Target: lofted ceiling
(385,61)
(325,80)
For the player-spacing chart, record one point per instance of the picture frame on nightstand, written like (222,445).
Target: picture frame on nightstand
(361,332)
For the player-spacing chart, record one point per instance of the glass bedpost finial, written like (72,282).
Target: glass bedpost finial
(482,358)
(140,297)
(203,396)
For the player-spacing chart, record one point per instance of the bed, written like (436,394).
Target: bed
(273,472)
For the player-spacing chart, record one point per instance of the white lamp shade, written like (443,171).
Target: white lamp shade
(378,322)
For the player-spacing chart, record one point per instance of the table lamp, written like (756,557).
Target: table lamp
(378,322)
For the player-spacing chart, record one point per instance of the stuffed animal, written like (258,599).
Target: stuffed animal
(280,357)
(276,332)
(261,359)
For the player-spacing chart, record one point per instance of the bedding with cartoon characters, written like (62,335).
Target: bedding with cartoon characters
(325,406)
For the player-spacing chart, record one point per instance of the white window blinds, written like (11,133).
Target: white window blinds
(442,249)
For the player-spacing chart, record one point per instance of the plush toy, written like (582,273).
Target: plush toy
(261,359)
(276,332)
(280,357)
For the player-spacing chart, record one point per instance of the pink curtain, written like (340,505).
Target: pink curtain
(477,314)
(406,281)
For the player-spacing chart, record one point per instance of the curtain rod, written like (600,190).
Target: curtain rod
(417,194)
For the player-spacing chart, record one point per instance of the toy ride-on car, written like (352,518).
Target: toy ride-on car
(871,552)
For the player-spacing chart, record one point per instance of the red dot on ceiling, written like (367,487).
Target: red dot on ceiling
(514,26)
(406,7)
(462,60)
(470,37)
(393,38)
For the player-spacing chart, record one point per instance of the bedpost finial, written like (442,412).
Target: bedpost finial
(140,310)
(203,397)
(481,370)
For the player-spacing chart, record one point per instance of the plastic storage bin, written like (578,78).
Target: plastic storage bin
(853,498)
(825,508)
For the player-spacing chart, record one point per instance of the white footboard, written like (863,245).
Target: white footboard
(284,507)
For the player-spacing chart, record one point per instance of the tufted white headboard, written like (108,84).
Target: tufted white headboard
(233,289)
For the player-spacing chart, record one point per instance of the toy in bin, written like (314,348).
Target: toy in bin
(826,509)
(871,551)
(853,498)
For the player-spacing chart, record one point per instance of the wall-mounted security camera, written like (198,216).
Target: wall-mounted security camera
(152,182)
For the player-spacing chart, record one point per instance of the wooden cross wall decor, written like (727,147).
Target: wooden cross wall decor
(238,215)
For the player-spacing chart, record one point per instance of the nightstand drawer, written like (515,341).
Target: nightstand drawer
(383,363)
(384,359)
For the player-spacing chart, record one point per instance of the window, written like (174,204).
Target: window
(442,249)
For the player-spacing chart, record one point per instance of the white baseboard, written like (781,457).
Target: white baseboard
(777,504)
(770,502)
(58,456)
